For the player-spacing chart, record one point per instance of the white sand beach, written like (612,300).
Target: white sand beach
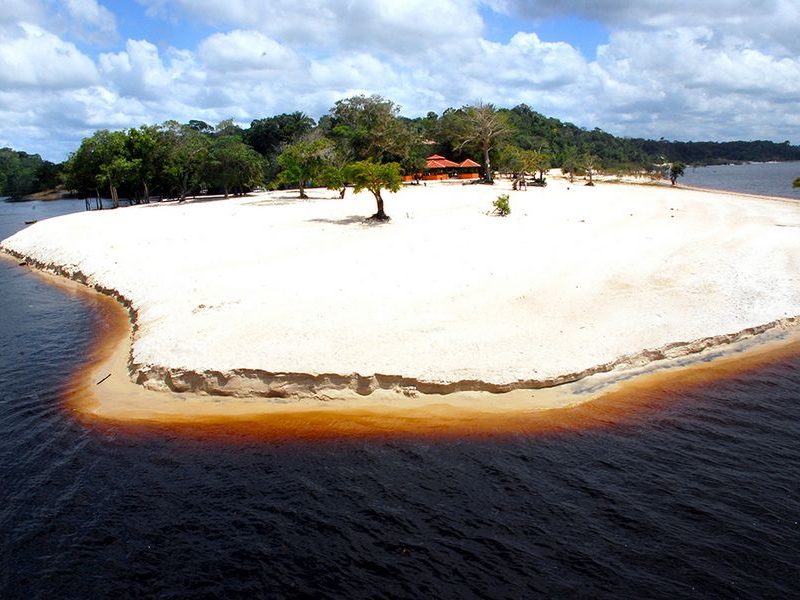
(269,295)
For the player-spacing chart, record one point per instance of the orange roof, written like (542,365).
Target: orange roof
(435,164)
(444,163)
(440,162)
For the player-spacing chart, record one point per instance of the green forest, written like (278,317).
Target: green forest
(22,174)
(293,150)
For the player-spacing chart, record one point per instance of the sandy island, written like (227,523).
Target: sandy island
(276,303)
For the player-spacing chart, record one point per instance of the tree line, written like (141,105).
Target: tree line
(22,174)
(358,135)
(169,159)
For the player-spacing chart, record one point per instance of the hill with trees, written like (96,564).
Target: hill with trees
(22,173)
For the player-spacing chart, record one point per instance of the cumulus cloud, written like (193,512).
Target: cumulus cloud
(242,51)
(34,58)
(15,11)
(388,25)
(95,21)
(72,19)
(655,13)
(665,70)
(686,71)
(141,72)
(525,62)
(769,23)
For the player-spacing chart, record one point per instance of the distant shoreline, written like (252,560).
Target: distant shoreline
(43,196)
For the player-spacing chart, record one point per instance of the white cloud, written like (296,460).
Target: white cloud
(651,13)
(16,11)
(527,62)
(92,18)
(241,51)
(140,72)
(689,60)
(367,25)
(351,71)
(771,24)
(660,74)
(69,19)
(32,57)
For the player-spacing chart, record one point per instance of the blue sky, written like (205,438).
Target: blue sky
(582,33)
(684,70)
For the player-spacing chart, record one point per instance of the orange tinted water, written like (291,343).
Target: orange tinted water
(626,402)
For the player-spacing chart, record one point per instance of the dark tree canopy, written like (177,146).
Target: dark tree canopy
(22,173)
(675,171)
(269,136)
(370,127)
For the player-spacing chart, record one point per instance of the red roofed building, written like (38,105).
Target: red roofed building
(438,167)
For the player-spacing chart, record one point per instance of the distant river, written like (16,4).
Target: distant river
(694,496)
(768,179)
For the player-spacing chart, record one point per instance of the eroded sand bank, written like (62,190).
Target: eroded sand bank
(300,300)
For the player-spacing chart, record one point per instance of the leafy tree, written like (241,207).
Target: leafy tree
(414,161)
(228,128)
(372,176)
(676,170)
(369,128)
(270,136)
(335,173)
(429,125)
(82,167)
(102,161)
(115,160)
(143,146)
(334,177)
(520,163)
(117,171)
(480,127)
(293,126)
(511,160)
(188,150)
(200,126)
(570,162)
(590,163)
(47,175)
(541,161)
(232,164)
(302,162)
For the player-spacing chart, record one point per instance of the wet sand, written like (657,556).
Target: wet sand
(103,392)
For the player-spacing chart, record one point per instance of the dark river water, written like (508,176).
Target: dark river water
(696,497)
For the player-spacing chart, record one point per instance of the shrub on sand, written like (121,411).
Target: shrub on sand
(501,205)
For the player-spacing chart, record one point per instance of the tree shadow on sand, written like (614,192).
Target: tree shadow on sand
(280,200)
(192,200)
(351,220)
